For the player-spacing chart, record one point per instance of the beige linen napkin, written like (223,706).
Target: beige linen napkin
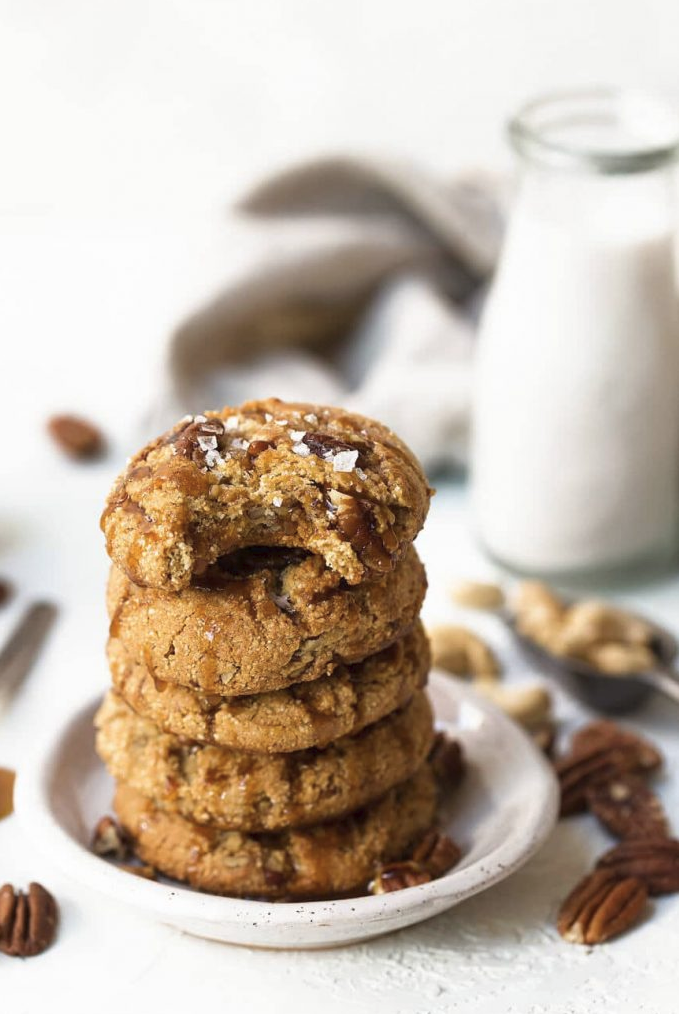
(358,293)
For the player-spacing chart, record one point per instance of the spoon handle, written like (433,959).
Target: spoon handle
(666,680)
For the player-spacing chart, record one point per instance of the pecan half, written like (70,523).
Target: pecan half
(628,808)
(601,906)
(76,437)
(110,840)
(604,733)
(437,853)
(600,755)
(653,860)
(28,922)
(447,761)
(397,876)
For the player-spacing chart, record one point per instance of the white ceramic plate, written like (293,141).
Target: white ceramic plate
(503,813)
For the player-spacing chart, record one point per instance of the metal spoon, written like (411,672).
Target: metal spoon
(612,693)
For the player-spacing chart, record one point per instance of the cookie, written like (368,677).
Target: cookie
(268,618)
(305,715)
(238,790)
(266,474)
(321,861)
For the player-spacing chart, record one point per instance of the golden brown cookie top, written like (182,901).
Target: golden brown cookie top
(268,473)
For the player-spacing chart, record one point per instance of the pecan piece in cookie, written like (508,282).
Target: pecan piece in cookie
(628,808)
(28,922)
(601,906)
(653,860)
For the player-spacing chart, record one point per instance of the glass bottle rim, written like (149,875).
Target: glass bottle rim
(653,123)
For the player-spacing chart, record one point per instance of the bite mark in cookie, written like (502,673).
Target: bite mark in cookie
(267,473)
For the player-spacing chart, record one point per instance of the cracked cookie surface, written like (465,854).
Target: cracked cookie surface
(267,473)
(328,859)
(264,619)
(239,790)
(301,716)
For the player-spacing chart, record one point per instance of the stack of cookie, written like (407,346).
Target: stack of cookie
(267,726)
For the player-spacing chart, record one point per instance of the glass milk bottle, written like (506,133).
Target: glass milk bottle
(576,408)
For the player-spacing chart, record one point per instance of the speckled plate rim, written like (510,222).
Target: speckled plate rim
(318,923)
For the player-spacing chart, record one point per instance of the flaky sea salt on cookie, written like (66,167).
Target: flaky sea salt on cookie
(267,474)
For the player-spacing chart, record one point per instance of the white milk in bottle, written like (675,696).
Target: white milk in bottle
(576,412)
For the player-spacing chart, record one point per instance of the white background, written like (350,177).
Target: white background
(129,126)
(126,129)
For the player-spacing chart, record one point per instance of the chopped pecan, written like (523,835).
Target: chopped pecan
(28,922)
(76,437)
(7,777)
(601,906)
(437,853)
(628,808)
(599,755)
(355,520)
(397,876)
(197,439)
(653,860)
(111,840)
(324,445)
(447,760)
